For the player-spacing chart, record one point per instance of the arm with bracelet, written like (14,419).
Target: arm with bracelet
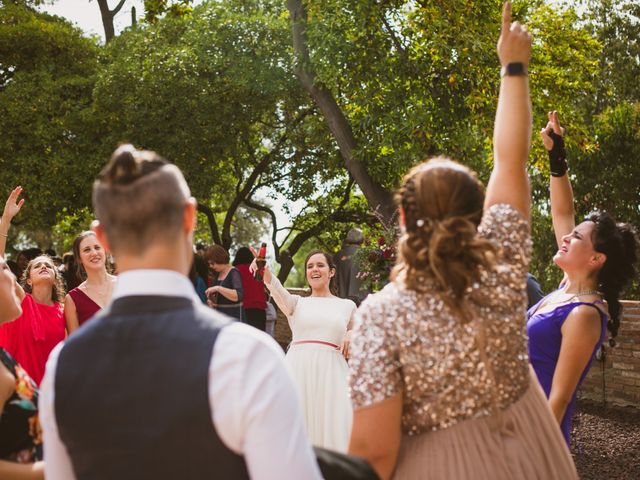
(562,210)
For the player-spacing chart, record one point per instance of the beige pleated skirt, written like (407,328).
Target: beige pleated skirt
(522,442)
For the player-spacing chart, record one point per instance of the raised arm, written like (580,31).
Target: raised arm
(285,300)
(509,182)
(11,209)
(562,212)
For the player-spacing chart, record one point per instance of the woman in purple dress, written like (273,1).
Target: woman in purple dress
(568,326)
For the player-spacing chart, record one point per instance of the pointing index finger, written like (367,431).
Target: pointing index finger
(506,16)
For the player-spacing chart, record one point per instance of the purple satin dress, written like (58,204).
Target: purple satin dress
(545,338)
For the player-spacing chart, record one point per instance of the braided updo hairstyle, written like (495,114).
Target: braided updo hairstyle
(618,241)
(139,198)
(442,202)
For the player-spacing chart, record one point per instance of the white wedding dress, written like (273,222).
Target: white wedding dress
(319,370)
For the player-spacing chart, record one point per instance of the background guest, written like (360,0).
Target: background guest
(227,292)
(94,293)
(254,300)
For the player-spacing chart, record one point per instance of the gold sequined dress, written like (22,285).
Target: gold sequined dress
(472,408)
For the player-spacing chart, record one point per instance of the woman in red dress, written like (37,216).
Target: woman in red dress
(94,293)
(31,337)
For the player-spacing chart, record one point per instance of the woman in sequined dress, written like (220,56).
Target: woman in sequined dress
(568,326)
(320,326)
(440,378)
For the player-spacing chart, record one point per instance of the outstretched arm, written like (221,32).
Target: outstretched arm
(509,182)
(562,212)
(11,209)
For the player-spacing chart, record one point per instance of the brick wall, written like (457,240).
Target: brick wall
(621,366)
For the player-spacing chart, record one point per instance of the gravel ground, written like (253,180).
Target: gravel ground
(606,442)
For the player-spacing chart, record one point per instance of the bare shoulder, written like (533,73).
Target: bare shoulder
(583,321)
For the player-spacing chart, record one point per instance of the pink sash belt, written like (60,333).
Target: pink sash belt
(320,342)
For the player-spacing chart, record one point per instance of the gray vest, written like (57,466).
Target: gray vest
(131,394)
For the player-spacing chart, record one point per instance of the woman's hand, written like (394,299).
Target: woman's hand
(346,343)
(13,205)
(253,268)
(514,44)
(553,126)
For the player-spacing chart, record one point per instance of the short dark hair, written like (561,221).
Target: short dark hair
(217,254)
(243,257)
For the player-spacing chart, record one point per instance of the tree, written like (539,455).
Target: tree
(108,14)
(47,72)
(214,93)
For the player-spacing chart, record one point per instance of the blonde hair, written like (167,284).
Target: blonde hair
(442,202)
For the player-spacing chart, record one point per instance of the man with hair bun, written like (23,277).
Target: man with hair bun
(158,385)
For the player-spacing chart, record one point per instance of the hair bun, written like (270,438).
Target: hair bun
(124,166)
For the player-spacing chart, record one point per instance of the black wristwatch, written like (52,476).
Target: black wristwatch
(514,69)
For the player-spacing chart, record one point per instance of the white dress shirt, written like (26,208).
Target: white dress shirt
(254,405)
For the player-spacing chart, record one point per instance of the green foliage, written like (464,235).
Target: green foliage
(68,226)
(47,70)
(377,257)
(154,9)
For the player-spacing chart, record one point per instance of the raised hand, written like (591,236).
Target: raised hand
(514,44)
(13,205)
(553,126)
(253,268)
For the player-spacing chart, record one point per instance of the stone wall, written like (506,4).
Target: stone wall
(619,381)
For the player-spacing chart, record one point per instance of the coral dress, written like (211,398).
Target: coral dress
(319,370)
(31,337)
(472,407)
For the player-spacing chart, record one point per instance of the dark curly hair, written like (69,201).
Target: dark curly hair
(618,241)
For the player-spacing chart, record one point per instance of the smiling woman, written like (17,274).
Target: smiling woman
(320,325)
(92,295)
(598,257)
(31,337)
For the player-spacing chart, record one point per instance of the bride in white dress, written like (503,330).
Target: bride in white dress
(316,357)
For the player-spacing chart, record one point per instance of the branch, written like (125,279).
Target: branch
(117,8)
(213,226)
(244,192)
(377,196)
(274,222)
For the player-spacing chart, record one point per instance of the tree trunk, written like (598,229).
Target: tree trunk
(379,198)
(107,18)
(213,226)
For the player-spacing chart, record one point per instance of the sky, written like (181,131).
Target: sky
(86,14)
